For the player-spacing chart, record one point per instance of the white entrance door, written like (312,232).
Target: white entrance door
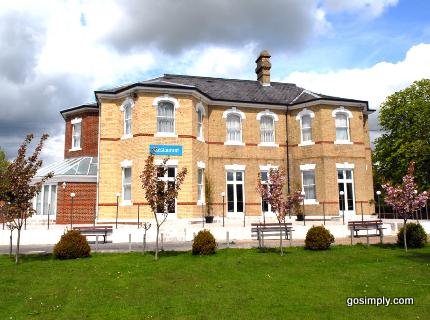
(235,191)
(345,181)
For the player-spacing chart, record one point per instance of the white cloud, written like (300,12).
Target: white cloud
(373,8)
(373,84)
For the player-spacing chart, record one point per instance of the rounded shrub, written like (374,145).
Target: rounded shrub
(318,238)
(204,243)
(72,245)
(416,237)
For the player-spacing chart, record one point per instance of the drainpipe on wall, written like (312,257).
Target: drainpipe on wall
(288,152)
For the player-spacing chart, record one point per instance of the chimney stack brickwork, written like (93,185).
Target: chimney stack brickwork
(263,68)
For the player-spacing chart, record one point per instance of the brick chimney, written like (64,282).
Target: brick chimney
(263,68)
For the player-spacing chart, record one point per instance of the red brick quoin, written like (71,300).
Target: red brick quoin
(84,203)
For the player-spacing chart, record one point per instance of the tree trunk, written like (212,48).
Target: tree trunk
(156,242)
(280,242)
(17,245)
(404,235)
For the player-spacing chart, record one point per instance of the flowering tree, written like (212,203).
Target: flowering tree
(273,193)
(405,198)
(160,194)
(17,189)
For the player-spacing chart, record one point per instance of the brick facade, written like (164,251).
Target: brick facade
(324,154)
(89,135)
(84,203)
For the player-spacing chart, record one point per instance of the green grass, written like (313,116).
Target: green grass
(232,284)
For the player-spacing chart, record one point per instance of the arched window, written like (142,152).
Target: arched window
(342,116)
(267,129)
(234,128)
(267,120)
(305,117)
(234,119)
(200,111)
(165,117)
(126,108)
(166,106)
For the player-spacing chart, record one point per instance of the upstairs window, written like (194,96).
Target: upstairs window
(267,129)
(342,128)
(165,117)
(234,128)
(126,108)
(199,124)
(234,119)
(76,134)
(305,118)
(342,117)
(166,106)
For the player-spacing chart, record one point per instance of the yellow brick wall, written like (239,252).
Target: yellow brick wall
(216,155)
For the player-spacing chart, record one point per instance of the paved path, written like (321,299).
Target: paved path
(184,246)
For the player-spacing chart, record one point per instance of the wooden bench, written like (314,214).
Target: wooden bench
(263,231)
(374,226)
(95,231)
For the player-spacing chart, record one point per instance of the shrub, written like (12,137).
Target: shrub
(318,238)
(204,243)
(416,237)
(72,245)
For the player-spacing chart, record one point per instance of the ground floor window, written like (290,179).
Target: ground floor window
(166,177)
(345,181)
(46,200)
(200,185)
(235,191)
(264,177)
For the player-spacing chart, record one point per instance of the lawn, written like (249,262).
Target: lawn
(233,284)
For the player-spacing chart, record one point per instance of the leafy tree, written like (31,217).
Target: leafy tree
(17,189)
(405,198)
(160,194)
(273,193)
(3,161)
(405,119)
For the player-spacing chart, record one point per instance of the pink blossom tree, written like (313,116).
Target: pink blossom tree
(159,193)
(405,198)
(17,189)
(273,193)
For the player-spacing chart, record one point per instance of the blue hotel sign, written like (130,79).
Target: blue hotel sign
(165,150)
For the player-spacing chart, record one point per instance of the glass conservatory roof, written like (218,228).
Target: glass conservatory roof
(82,166)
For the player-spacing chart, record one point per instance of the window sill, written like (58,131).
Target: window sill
(165,135)
(306,143)
(75,149)
(343,142)
(311,201)
(126,203)
(200,139)
(268,144)
(200,202)
(126,136)
(233,143)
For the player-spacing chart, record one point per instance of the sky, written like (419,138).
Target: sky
(54,54)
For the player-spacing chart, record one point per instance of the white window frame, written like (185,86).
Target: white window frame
(175,102)
(242,116)
(128,103)
(200,186)
(200,109)
(275,118)
(126,164)
(172,164)
(42,195)
(235,168)
(300,115)
(348,114)
(266,168)
(309,168)
(75,122)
